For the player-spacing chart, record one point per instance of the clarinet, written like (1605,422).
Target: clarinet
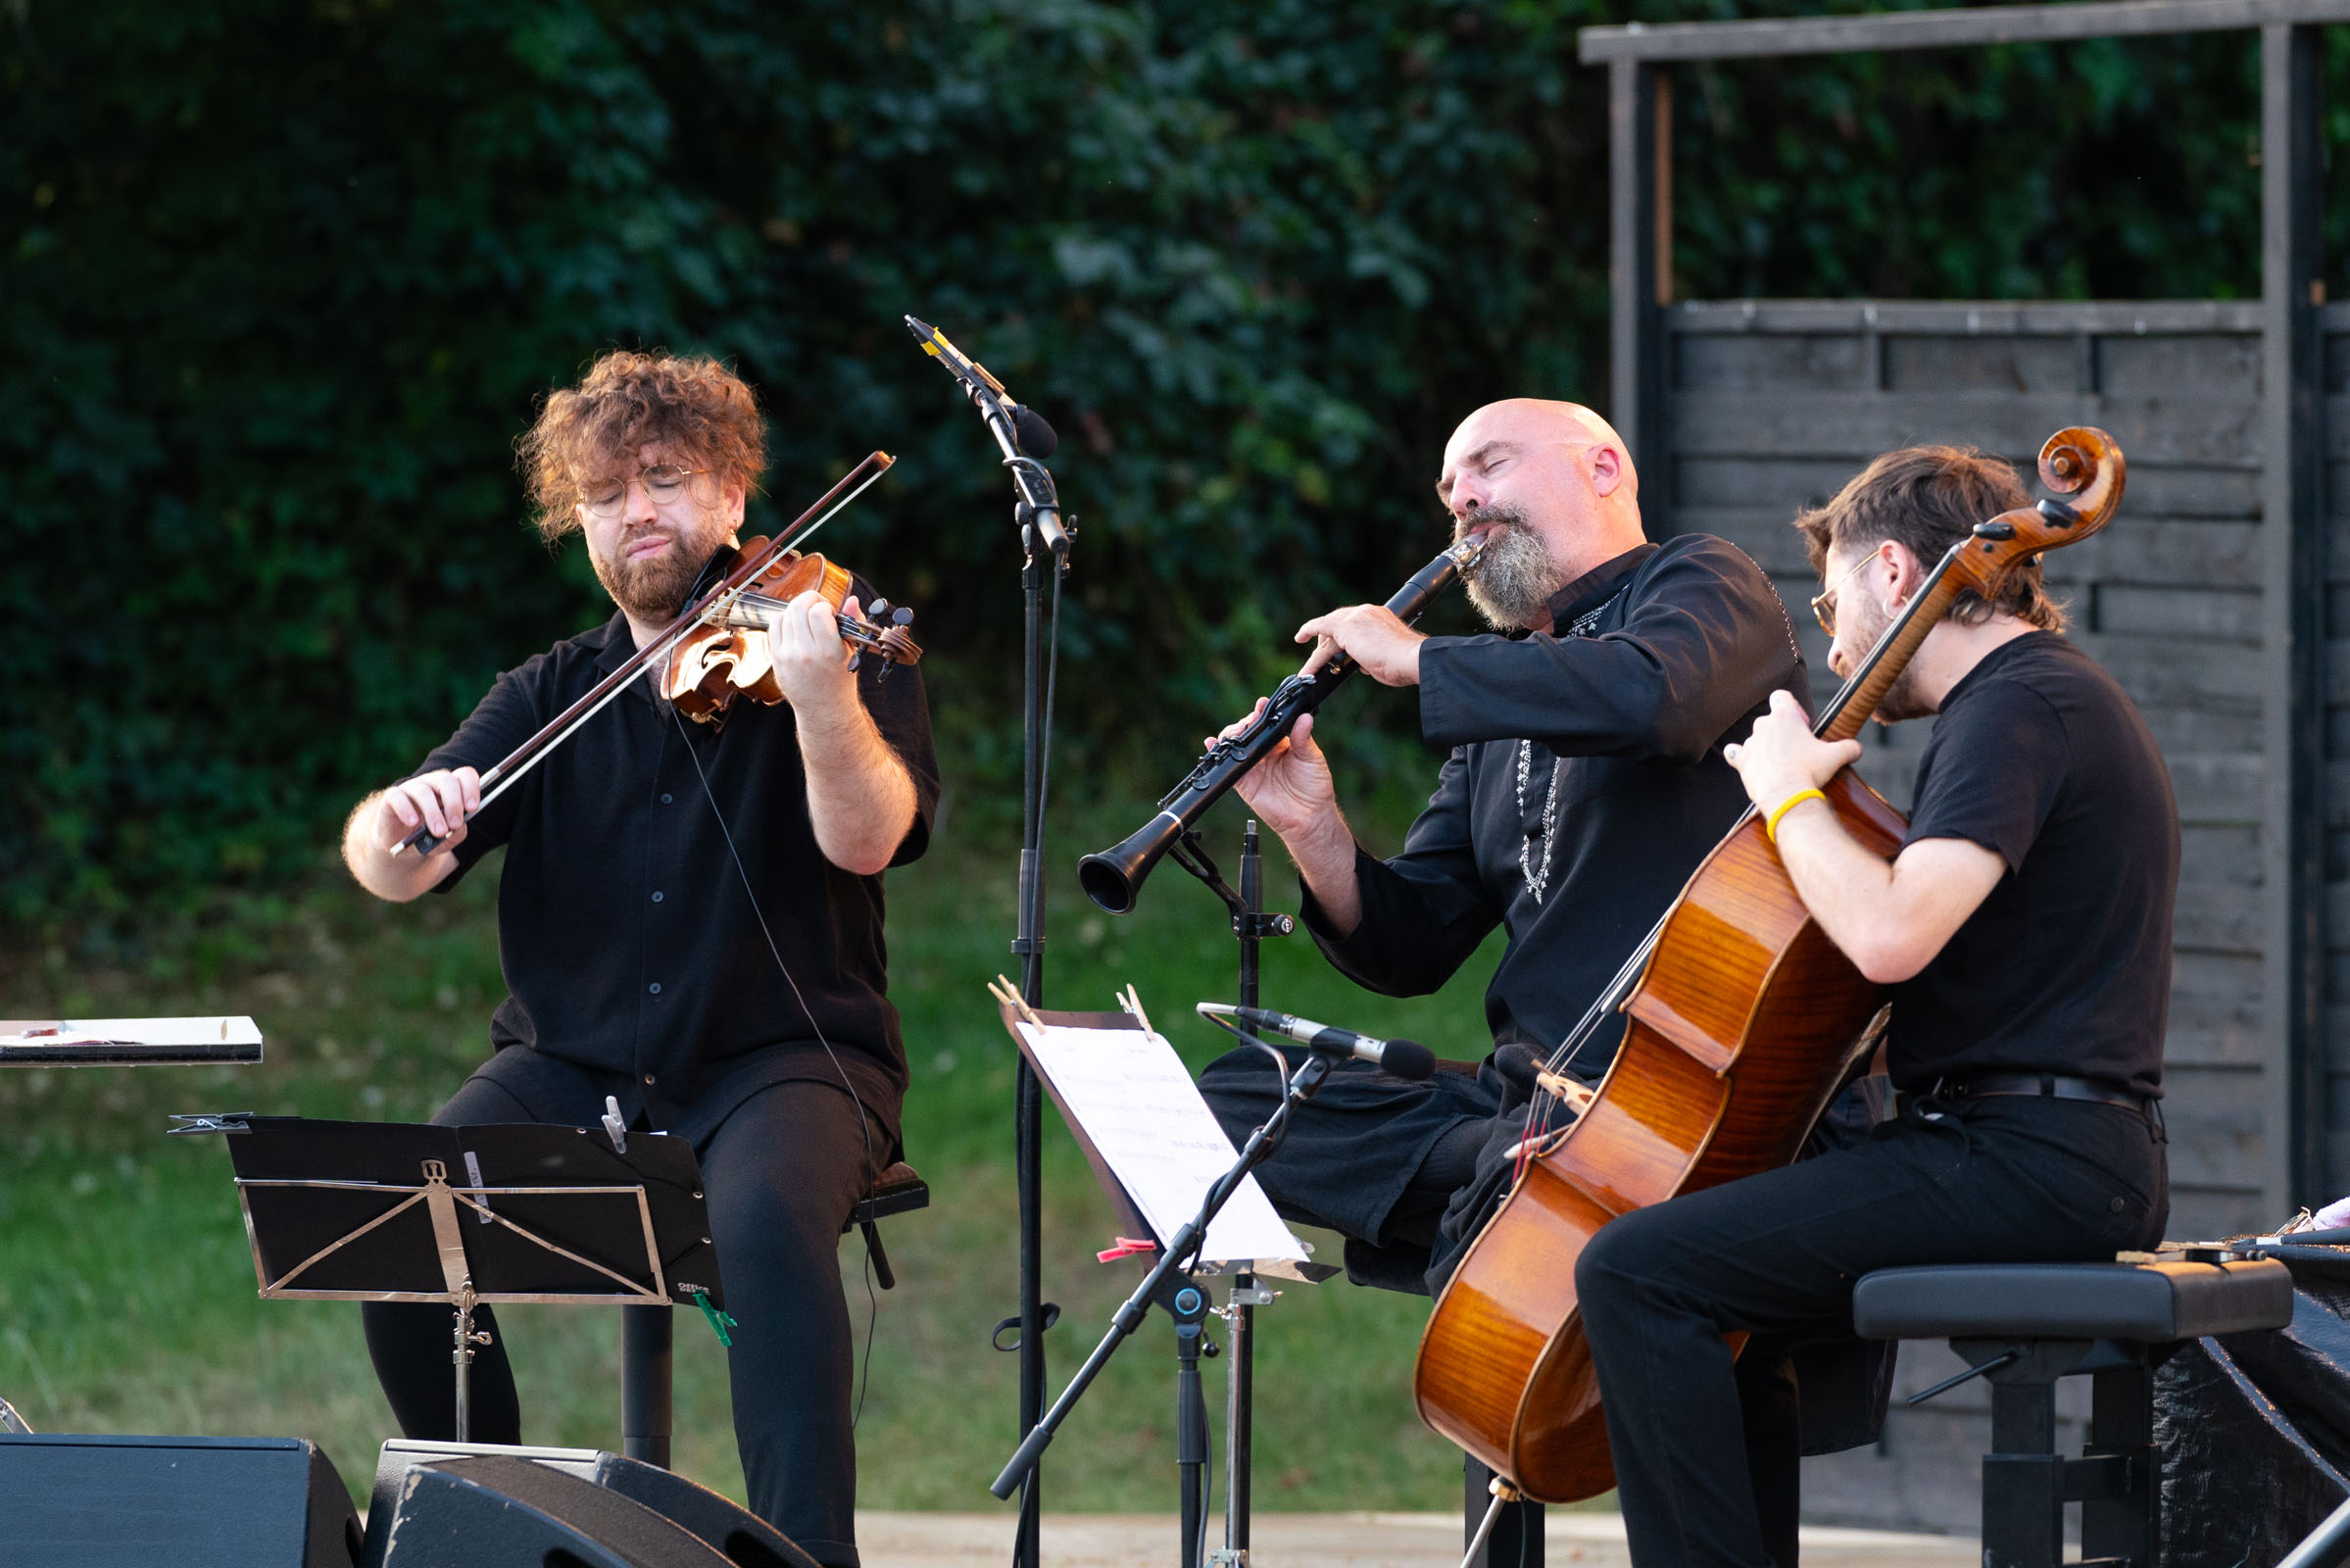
(1113,877)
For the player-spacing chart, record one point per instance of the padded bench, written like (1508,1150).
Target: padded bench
(2022,1326)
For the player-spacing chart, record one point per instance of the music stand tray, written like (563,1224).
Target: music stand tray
(394,1211)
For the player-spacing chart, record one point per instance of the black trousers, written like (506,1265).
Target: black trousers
(782,1174)
(1387,1163)
(1704,1460)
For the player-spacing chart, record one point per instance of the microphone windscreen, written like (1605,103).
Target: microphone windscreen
(1518,1063)
(1036,438)
(1407,1058)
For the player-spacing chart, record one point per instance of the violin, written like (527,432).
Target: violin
(726,655)
(1742,1021)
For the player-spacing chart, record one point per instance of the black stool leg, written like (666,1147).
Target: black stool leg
(2023,1479)
(646,1363)
(1517,1537)
(881,1259)
(2122,1428)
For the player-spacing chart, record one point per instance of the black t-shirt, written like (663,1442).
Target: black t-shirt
(627,940)
(2066,967)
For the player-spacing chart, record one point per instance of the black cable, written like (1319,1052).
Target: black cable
(864,1371)
(1033,830)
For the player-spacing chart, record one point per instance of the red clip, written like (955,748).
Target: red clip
(1127,1246)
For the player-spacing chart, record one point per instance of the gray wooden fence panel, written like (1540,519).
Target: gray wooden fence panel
(1772,405)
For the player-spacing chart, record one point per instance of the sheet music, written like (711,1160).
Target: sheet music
(1130,1093)
(127,1031)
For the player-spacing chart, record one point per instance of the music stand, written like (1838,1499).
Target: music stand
(369,1212)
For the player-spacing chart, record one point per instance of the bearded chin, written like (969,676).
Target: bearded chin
(651,591)
(1515,578)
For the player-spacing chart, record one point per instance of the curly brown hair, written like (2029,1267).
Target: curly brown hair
(1926,498)
(697,408)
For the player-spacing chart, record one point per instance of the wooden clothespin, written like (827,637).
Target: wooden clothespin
(1132,1001)
(1003,990)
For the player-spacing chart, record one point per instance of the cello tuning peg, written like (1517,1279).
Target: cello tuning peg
(901,616)
(855,660)
(878,609)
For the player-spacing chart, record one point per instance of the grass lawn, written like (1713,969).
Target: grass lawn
(126,1300)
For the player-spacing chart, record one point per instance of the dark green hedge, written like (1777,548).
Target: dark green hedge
(278,284)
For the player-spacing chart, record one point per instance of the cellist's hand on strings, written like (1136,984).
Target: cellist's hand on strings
(812,662)
(1891,917)
(1783,759)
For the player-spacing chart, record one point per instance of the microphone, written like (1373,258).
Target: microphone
(1030,433)
(1021,432)
(1405,1058)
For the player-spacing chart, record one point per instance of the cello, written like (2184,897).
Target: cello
(1743,1022)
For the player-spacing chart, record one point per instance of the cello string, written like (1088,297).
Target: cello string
(1617,989)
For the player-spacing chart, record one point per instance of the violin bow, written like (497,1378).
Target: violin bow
(498,779)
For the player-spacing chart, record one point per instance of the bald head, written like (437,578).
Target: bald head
(1516,430)
(1554,470)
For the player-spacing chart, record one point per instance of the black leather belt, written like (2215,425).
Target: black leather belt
(2046,1085)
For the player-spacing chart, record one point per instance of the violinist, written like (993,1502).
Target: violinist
(1584,783)
(689,917)
(2025,930)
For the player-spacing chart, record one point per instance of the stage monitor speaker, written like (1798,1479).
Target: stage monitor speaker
(172,1502)
(742,1538)
(501,1512)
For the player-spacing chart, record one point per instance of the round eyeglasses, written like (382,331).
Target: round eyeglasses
(1823,603)
(663,483)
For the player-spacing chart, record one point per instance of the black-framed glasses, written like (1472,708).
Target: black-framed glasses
(1823,603)
(663,482)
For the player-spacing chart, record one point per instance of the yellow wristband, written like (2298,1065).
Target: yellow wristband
(1771,827)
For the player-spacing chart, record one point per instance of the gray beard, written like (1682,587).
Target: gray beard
(1515,577)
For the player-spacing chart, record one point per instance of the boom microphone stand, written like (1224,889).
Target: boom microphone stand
(1024,437)
(1250,925)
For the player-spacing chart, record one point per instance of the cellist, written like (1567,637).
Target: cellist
(2025,931)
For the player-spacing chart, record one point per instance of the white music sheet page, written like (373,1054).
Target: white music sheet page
(130,1031)
(1129,1092)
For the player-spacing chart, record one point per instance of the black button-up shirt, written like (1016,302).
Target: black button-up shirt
(627,938)
(1585,784)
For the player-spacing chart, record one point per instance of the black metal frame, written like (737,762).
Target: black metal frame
(2293,799)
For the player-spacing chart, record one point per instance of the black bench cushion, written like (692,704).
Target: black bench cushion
(900,1190)
(2151,1303)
